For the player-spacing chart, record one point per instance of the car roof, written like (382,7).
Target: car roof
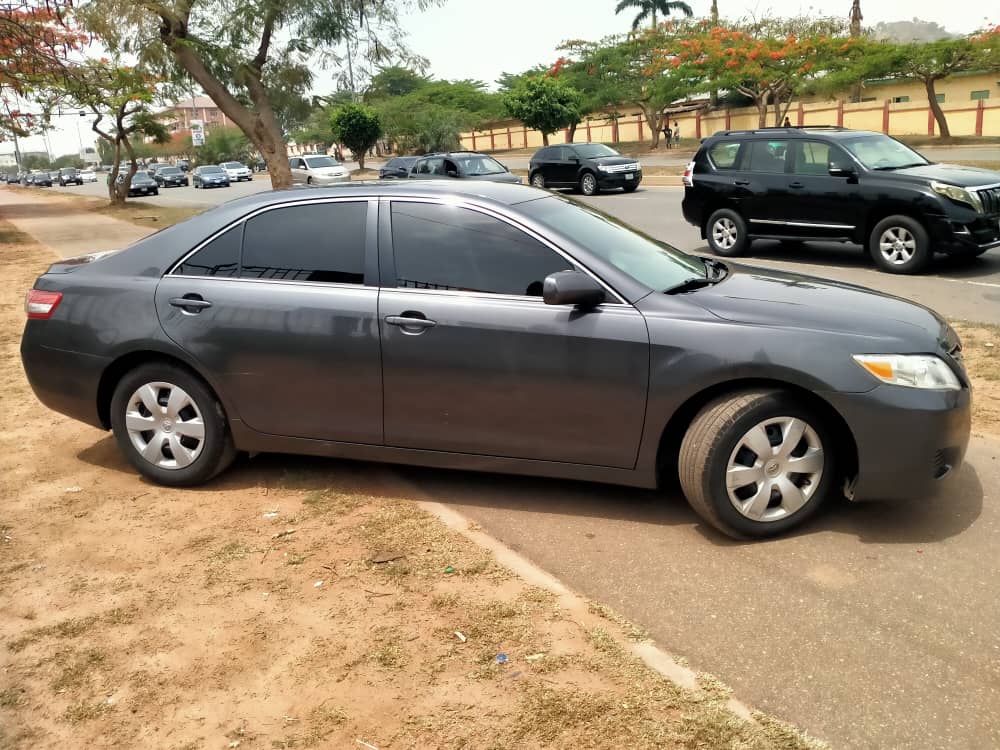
(831,131)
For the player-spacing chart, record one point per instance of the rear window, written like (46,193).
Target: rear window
(723,155)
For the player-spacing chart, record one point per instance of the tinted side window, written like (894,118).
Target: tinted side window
(814,157)
(724,154)
(566,153)
(768,156)
(220,257)
(317,242)
(546,154)
(448,247)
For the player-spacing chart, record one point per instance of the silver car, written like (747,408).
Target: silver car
(317,169)
(237,171)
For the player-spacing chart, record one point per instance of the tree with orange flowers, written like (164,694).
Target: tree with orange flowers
(770,61)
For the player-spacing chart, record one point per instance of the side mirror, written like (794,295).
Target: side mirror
(842,169)
(572,288)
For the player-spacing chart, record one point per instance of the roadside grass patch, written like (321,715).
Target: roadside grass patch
(634,632)
(76,668)
(85,711)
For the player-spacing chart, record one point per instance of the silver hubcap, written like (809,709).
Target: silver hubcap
(724,233)
(589,183)
(775,469)
(165,426)
(897,245)
(538,181)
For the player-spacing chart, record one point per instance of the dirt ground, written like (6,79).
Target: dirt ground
(292,603)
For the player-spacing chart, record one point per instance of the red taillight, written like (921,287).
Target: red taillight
(40,305)
(688,178)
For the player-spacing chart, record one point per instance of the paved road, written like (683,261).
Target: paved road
(875,626)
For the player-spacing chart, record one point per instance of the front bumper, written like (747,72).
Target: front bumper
(612,180)
(330,180)
(215,183)
(960,237)
(910,441)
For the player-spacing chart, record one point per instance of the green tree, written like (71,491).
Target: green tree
(223,144)
(35,161)
(649,9)
(544,103)
(240,52)
(316,129)
(68,160)
(358,128)
(393,81)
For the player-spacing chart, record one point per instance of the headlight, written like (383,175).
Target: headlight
(603,168)
(958,194)
(910,370)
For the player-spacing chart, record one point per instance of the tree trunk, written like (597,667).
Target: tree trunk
(761,102)
(545,139)
(781,110)
(942,123)
(571,133)
(654,119)
(260,126)
(361,159)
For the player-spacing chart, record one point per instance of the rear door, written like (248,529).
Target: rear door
(288,326)
(766,192)
(475,362)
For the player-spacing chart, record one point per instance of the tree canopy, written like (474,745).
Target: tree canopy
(358,128)
(544,103)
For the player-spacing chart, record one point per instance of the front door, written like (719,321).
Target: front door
(288,328)
(820,205)
(475,362)
(567,166)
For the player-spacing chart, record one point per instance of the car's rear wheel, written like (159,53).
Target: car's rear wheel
(756,463)
(899,244)
(538,180)
(588,184)
(170,425)
(727,233)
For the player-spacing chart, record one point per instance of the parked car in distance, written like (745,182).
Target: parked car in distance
(168,176)
(41,179)
(237,171)
(209,175)
(142,184)
(587,167)
(69,176)
(183,164)
(834,184)
(88,175)
(566,345)
(398,167)
(317,169)
(469,165)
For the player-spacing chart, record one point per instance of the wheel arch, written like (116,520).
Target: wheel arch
(124,364)
(883,211)
(677,425)
(714,205)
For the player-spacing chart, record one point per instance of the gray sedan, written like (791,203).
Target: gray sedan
(500,328)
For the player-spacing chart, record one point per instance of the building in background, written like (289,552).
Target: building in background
(178,116)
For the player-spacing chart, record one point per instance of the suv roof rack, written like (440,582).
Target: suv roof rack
(782,129)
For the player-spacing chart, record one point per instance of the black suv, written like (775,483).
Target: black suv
(834,184)
(70,176)
(470,165)
(588,167)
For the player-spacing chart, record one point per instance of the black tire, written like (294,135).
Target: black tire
(631,188)
(588,184)
(711,443)
(309,180)
(537,180)
(156,191)
(215,450)
(904,257)
(726,233)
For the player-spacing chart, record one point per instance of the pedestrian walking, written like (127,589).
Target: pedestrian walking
(787,123)
(668,135)
(677,135)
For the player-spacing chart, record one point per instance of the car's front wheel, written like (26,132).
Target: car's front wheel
(899,244)
(588,184)
(170,425)
(538,180)
(756,463)
(727,233)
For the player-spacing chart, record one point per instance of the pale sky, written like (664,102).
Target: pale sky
(480,40)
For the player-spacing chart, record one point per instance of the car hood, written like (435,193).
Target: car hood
(610,161)
(953,174)
(763,297)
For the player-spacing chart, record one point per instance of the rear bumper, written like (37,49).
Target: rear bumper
(910,442)
(64,381)
(956,237)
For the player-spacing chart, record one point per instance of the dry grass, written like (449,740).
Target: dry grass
(981,351)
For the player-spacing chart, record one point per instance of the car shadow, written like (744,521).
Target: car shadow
(918,521)
(846,255)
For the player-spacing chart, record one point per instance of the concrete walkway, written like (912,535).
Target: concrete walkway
(63,225)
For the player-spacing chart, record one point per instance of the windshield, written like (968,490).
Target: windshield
(594,150)
(68,170)
(170,170)
(654,264)
(211,170)
(234,165)
(477,165)
(883,152)
(318,162)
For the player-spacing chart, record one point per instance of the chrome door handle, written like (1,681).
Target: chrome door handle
(404,321)
(190,304)
(795,185)
(741,182)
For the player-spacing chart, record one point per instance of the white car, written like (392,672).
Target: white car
(317,169)
(237,171)
(88,175)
